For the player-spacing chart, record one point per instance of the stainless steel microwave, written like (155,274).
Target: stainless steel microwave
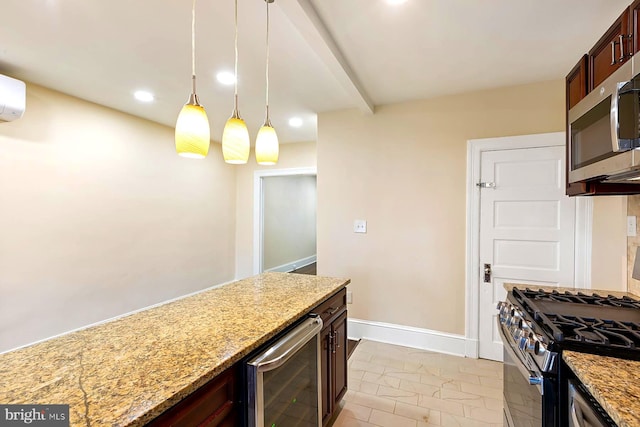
(604,129)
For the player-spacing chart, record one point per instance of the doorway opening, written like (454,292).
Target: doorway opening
(285,220)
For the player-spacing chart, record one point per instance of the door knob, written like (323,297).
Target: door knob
(487,273)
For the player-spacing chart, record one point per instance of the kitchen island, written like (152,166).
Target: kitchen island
(612,382)
(128,371)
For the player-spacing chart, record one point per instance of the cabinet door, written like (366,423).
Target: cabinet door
(608,54)
(634,20)
(213,405)
(577,82)
(339,327)
(325,371)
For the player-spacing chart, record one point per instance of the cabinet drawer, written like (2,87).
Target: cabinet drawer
(332,307)
(211,405)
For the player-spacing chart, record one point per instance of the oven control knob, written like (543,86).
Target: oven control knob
(532,345)
(522,342)
(513,319)
(524,325)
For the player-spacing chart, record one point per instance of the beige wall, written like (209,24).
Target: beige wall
(609,246)
(300,155)
(99,217)
(404,170)
(633,208)
(289,217)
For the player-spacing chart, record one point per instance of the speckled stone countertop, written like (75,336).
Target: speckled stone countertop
(130,370)
(618,394)
(601,292)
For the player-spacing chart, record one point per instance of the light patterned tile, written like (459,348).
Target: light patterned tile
(385,419)
(461,397)
(395,386)
(483,414)
(448,420)
(481,390)
(366,366)
(420,388)
(381,379)
(353,410)
(398,395)
(491,382)
(344,420)
(493,404)
(443,406)
(418,413)
(374,402)
(363,386)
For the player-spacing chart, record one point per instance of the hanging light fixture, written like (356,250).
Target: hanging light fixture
(267,140)
(235,137)
(192,126)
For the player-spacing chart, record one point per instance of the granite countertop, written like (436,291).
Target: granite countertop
(128,371)
(601,292)
(618,394)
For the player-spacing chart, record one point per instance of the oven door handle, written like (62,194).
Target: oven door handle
(276,355)
(530,376)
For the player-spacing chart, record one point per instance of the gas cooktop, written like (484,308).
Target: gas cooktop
(588,323)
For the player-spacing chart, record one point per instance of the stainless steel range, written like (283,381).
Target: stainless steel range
(536,326)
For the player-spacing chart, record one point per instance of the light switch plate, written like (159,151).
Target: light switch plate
(349,297)
(360,226)
(631,226)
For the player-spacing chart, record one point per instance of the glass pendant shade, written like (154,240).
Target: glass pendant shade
(267,146)
(235,141)
(192,132)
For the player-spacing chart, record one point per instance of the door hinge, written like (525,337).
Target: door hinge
(486,185)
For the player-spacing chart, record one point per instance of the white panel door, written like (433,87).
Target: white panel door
(527,227)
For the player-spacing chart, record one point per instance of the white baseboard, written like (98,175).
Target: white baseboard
(409,336)
(285,268)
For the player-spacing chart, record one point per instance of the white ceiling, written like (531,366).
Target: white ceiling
(325,54)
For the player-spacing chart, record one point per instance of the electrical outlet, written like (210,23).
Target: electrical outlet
(360,226)
(349,297)
(631,226)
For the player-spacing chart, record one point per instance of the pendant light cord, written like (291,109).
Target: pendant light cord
(267,68)
(236,62)
(193,47)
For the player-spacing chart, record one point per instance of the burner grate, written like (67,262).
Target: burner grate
(580,298)
(596,331)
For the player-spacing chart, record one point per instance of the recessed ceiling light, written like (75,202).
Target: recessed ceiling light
(143,96)
(226,78)
(395,2)
(295,122)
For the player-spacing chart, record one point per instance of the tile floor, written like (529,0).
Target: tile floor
(393,386)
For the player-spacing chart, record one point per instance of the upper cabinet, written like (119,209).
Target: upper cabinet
(577,82)
(616,47)
(612,50)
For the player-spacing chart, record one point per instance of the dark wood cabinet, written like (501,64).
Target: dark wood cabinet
(577,82)
(634,14)
(213,405)
(333,359)
(615,47)
(612,50)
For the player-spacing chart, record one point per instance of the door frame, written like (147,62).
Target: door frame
(583,226)
(258,205)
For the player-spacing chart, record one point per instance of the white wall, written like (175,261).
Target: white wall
(289,219)
(99,216)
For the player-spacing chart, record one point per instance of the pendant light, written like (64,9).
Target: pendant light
(235,137)
(267,140)
(192,126)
